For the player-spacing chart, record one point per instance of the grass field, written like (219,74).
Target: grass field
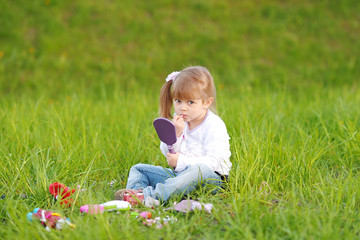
(79,85)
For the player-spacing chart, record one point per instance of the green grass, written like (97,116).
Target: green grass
(79,84)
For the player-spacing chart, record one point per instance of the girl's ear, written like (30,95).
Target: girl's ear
(208,102)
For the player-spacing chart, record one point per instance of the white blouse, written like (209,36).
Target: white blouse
(207,143)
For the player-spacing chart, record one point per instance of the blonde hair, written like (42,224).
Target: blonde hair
(191,83)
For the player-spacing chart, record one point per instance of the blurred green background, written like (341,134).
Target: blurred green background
(79,85)
(100,48)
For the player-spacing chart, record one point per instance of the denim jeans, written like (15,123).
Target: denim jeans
(161,183)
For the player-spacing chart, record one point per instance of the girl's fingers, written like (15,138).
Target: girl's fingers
(177,118)
(179,123)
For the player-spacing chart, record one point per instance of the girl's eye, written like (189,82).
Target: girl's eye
(191,102)
(177,101)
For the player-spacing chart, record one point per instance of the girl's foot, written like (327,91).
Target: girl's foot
(119,195)
(132,196)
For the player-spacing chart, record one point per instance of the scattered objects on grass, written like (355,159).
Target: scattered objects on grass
(105,207)
(50,219)
(149,221)
(159,222)
(59,190)
(190,205)
(145,215)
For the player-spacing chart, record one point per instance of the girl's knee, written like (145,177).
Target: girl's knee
(137,167)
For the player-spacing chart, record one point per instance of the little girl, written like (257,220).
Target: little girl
(202,147)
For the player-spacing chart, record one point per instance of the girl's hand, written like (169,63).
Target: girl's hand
(179,124)
(172,159)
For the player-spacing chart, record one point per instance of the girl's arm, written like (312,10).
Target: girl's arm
(164,148)
(215,148)
(179,125)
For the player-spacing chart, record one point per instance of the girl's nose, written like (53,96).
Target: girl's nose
(183,106)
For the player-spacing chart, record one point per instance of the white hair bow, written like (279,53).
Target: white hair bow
(172,76)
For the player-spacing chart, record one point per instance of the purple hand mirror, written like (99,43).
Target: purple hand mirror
(165,129)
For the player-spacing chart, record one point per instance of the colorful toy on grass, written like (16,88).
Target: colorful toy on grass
(145,215)
(142,215)
(159,222)
(61,193)
(148,220)
(49,219)
(105,207)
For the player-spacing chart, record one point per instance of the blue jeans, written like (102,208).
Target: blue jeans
(161,183)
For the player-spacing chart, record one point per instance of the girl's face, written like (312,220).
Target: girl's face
(192,111)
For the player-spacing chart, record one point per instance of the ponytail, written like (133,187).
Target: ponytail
(165,100)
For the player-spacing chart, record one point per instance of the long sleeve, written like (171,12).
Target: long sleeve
(164,148)
(214,148)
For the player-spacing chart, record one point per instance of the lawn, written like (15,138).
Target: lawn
(79,86)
